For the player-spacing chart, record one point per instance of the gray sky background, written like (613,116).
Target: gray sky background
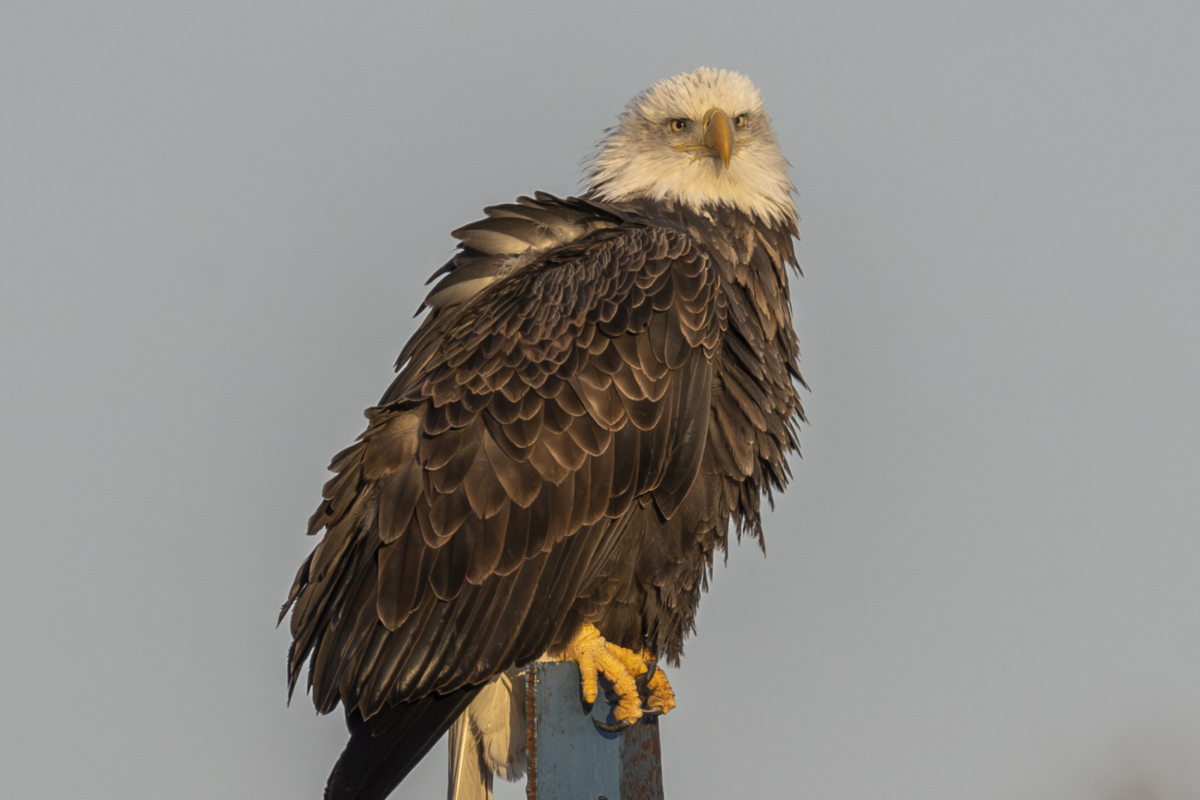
(215,220)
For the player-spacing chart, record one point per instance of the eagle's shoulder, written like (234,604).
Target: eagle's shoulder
(550,259)
(510,237)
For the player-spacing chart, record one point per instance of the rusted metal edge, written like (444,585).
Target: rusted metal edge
(531,731)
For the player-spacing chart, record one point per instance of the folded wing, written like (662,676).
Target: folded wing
(501,468)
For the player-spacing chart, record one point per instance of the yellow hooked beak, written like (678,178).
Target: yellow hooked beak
(718,134)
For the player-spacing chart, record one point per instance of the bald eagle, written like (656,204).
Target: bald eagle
(602,389)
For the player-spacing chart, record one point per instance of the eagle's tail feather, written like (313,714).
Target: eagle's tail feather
(385,748)
(469,779)
(489,738)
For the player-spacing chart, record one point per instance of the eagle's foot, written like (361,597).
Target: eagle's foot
(653,686)
(632,675)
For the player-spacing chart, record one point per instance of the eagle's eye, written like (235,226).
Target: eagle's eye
(677,125)
(741,120)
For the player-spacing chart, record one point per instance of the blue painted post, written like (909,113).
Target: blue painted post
(570,758)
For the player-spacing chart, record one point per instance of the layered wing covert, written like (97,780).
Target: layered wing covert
(503,463)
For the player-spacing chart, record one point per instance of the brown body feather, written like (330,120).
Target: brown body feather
(599,391)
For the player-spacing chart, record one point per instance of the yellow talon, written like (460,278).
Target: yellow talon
(621,666)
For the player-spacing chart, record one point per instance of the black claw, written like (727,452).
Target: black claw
(614,727)
(643,680)
(653,711)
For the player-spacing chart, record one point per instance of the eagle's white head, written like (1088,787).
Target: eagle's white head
(701,139)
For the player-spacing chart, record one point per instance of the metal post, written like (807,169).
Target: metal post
(570,758)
